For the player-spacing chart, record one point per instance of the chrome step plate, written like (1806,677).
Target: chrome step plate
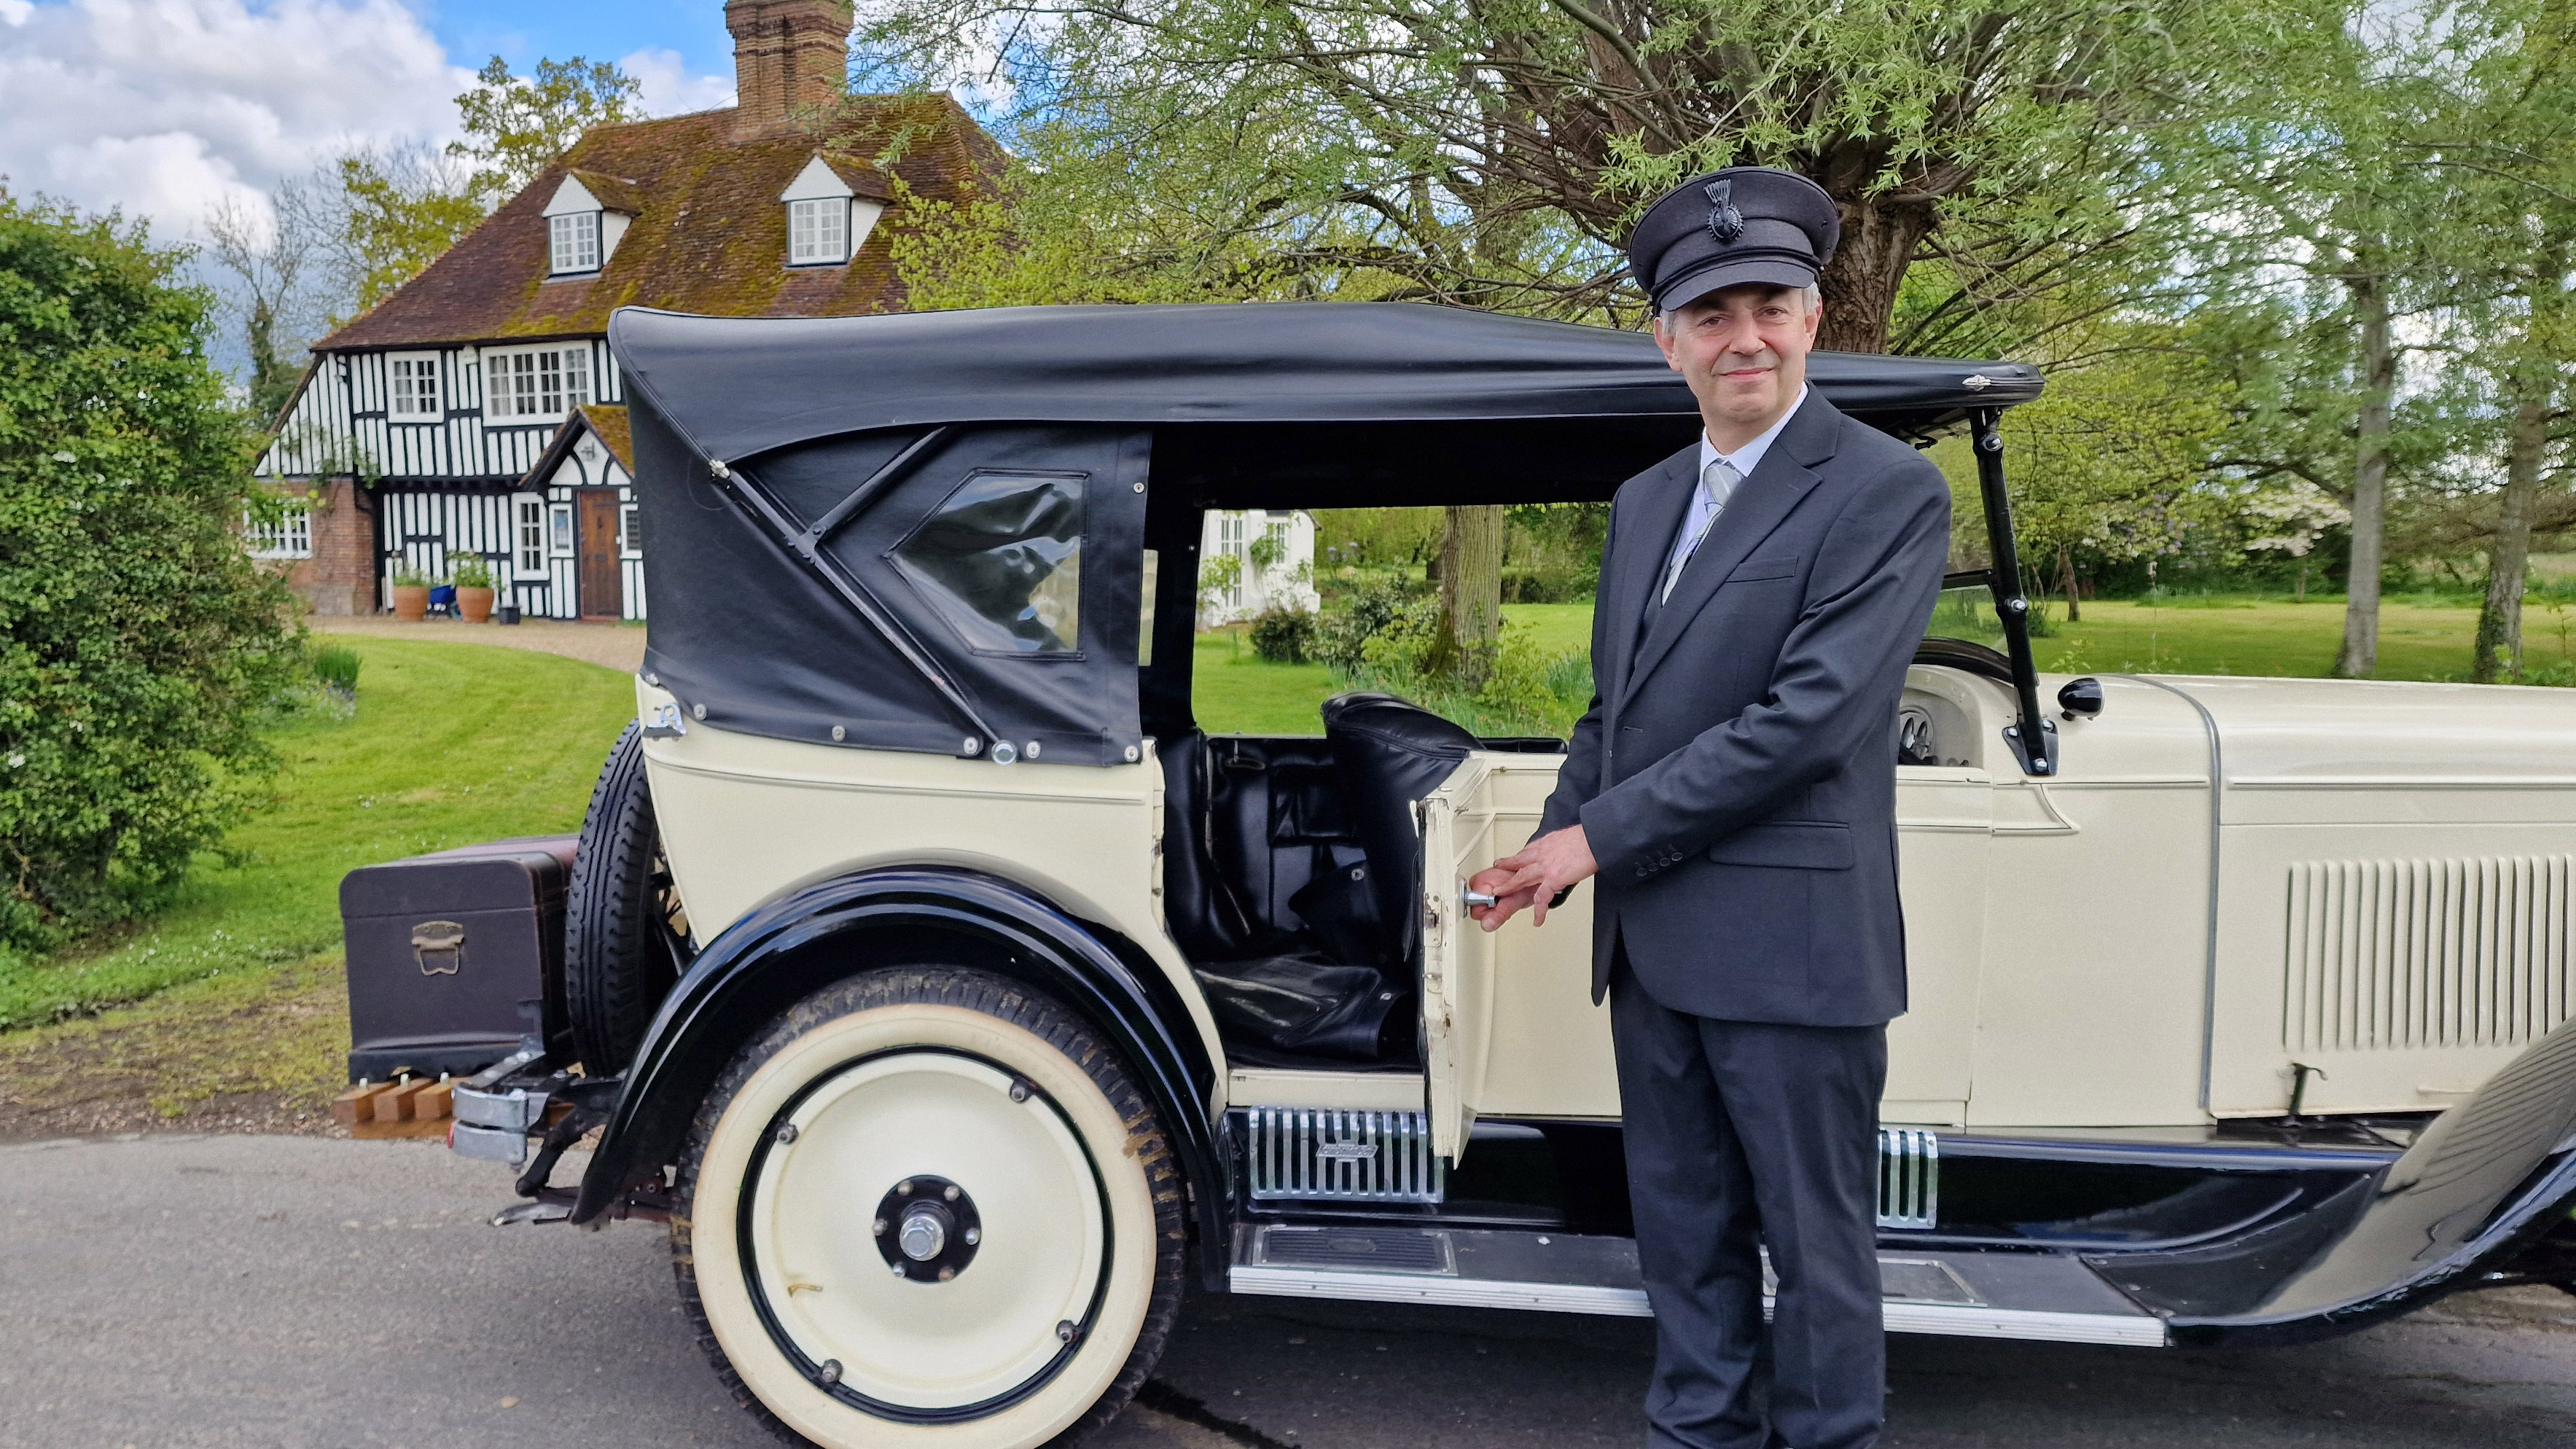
(1973,1295)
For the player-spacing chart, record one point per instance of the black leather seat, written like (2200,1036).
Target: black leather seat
(1390,753)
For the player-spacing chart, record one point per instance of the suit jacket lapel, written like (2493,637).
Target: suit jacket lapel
(1643,550)
(1759,504)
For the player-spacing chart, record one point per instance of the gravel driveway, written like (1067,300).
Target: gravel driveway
(171,1292)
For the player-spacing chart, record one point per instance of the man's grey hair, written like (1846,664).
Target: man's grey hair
(1815,303)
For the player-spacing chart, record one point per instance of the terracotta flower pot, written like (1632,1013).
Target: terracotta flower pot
(411,605)
(474,604)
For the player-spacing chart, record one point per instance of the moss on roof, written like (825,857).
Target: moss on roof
(607,421)
(709,234)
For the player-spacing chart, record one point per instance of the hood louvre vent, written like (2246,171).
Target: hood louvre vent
(2426,953)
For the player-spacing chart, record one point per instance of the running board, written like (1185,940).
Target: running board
(1966,1295)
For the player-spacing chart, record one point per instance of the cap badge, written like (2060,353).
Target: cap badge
(1724,222)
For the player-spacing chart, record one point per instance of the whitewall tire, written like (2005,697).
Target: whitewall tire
(926,1207)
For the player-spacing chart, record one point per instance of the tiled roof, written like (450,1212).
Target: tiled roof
(709,234)
(608,421)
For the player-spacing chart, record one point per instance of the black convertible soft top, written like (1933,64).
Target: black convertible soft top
(735,387)
(931,531)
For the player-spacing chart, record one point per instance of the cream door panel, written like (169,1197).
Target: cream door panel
(1457,823)
(1549,1053)
(1944,826)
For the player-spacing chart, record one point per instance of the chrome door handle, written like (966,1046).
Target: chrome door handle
(1470,896)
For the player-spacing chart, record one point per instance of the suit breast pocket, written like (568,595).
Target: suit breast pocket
(1769,566)
(1795,844)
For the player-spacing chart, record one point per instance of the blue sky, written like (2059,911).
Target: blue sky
(522,33)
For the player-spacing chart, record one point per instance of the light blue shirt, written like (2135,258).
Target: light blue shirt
(1708,499)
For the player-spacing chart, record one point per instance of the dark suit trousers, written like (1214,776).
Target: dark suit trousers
(1742,1134)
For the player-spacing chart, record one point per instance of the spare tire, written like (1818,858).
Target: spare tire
(626,937)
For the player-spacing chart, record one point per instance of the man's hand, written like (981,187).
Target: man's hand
(1542,870)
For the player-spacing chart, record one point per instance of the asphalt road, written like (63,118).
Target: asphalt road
(170,1292)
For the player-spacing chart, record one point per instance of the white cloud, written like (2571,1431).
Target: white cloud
(168,107)
(669,89)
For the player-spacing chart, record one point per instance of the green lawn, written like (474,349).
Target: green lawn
(452,744)
(2271,637)
(1236,692)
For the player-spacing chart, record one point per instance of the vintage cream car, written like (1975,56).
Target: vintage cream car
(955,997)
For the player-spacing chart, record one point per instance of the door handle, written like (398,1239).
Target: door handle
(1470,896)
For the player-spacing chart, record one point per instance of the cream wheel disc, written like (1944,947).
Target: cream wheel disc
(831,1267)
(916,1221)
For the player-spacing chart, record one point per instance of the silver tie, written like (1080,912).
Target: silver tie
(1719,482)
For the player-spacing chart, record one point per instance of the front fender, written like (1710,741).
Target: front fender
(792,947)
(2483,1182)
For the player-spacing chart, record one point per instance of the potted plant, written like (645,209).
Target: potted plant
(411,594)
(474,590)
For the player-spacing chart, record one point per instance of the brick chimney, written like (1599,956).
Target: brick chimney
(787,55)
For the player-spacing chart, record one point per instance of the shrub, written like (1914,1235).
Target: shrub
(1369,608)
(473,573)
(139,643)
(1284,635)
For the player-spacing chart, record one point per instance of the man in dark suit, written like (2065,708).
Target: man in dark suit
(1733,787)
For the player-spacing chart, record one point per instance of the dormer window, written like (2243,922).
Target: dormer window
(575,241)
(818,231)
(584,221)
(826,220)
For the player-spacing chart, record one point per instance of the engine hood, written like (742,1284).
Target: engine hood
(2365,734)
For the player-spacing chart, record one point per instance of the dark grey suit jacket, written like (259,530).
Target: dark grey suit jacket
(1736,774)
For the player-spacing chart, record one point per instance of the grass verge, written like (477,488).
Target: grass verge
(451,744)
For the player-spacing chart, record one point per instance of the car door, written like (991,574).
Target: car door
(1508,1022)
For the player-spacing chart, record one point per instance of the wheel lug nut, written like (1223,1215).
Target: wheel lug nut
(903,1188)
(951,1194)
(880,1228)
(947,1273)
(974,1236)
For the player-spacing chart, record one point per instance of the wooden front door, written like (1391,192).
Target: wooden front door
(603,585)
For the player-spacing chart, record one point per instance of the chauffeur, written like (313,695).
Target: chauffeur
(1733,787)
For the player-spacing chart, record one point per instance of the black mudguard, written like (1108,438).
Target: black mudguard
(2484,1182)
(788,949)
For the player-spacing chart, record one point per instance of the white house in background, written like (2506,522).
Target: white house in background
(1281,575)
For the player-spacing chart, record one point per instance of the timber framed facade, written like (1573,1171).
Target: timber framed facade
(476,410)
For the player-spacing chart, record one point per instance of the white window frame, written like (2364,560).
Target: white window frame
(818,231)
(288,536)
(540,384)
(572,243)
(412,389)
(529,550)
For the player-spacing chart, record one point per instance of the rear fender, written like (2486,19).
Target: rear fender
(792,947)
(2484,1182)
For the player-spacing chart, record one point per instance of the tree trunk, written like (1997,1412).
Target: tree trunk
(2499,656)
(1471,595)
(2360,654)
(1878,243)
(2066,577)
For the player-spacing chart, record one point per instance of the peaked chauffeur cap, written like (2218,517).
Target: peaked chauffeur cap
(1745,224)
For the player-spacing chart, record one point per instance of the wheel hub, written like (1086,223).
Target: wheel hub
(927,1229)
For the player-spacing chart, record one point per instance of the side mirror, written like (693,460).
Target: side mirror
(2080,697)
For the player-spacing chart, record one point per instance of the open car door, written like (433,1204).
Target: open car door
(1457,822)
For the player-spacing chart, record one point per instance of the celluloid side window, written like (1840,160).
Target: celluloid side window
(1002,561)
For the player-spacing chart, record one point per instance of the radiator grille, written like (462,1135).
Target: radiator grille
(1312,1154)
(1909,1178)
(2426,953)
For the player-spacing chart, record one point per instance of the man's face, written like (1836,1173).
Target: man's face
(1743,350)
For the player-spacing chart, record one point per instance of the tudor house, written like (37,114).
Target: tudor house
(476,411)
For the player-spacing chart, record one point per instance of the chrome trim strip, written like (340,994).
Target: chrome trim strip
(1953,1320)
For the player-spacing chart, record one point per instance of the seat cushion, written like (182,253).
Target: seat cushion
(1389,753)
